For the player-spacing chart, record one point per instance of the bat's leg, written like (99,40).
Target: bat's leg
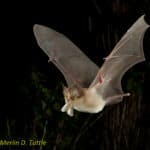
(114,99)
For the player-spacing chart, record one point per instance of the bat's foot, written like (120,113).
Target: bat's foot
(127,94)
(116,98)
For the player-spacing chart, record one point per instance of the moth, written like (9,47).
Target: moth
(91,88)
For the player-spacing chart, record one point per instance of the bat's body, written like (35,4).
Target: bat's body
(91,88)
(89,101)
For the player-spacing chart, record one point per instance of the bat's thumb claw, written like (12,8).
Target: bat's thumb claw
(50,60)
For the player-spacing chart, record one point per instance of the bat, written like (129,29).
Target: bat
(90,88)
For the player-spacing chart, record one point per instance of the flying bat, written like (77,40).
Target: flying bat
(91,88)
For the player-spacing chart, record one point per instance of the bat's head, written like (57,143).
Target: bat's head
(71,94)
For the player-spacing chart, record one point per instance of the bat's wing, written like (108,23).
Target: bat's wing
(128,52)
(76,67)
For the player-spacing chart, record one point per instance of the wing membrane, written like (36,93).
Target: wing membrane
(127,53)
(76,67)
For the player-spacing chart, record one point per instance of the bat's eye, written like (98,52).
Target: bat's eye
(67,97)
(72,98)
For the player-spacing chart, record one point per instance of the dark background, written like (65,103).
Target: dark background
(31,95)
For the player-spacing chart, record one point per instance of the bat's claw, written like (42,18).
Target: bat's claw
(51,59)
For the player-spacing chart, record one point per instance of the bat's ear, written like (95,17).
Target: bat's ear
(64,87)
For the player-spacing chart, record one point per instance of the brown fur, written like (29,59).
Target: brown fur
(72,93)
